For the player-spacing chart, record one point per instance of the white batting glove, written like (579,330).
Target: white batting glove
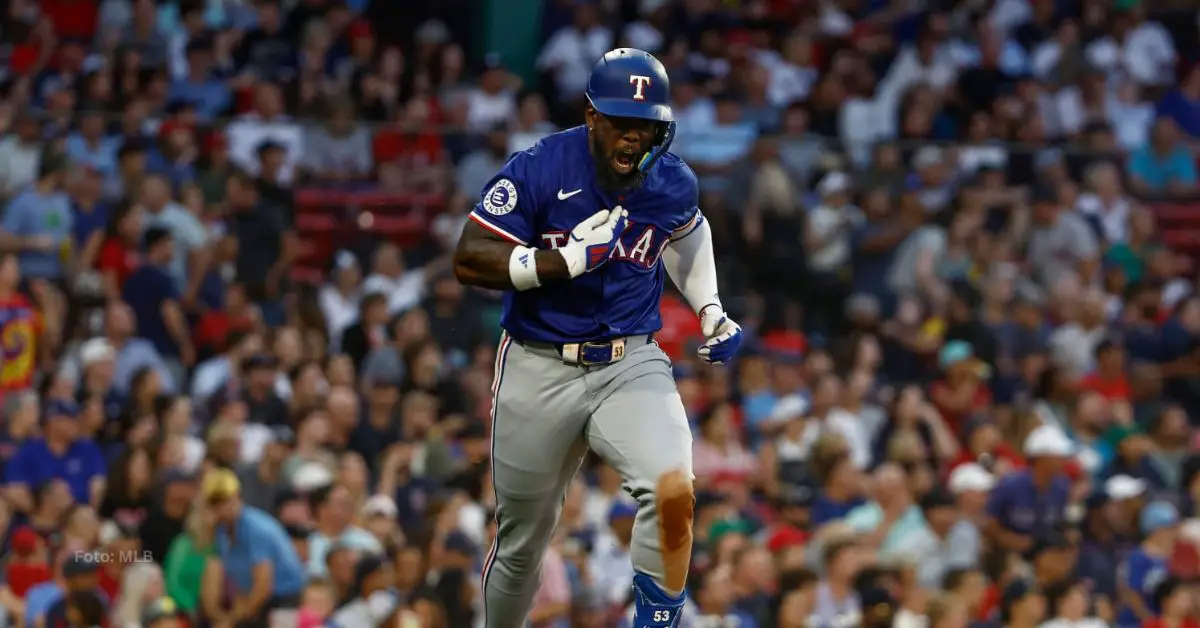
(724,336)
(593,240)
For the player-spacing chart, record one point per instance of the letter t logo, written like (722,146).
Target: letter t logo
(639,82)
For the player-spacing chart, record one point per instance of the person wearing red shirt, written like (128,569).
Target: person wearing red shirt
(211,335)
(72,19)
(1109,379)
(984,445)
(27,563)
(1173,597)
(962,391)
(791,528)
(118,256)
(411,155)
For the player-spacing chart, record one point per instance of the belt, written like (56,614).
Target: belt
(590,353)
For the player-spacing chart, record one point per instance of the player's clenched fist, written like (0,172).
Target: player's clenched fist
(724,336)
(593,240)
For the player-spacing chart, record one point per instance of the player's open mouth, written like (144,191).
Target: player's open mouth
(623,162)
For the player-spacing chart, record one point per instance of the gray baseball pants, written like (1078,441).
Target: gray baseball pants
(546,415)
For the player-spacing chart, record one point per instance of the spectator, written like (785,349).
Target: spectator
(263,267)
(1060,242)
(1015,520)
(266,123)
(265,52)
(1022,604)
(62,454)
(1182,103)
(257,556)
(340,151)
(333,513)
(477,169)
(1163,165)
(140,586)
(1067,605)
(1145,567)
(190,255)
(37,224)
(1171,595)
(20,328)
(21,156)
(492,104)
(836,600)
(373,601)
(91,146)
(167,519)
(197,86)
(48,603)
(162,613)
(156,303)
(566,54)
(719,457)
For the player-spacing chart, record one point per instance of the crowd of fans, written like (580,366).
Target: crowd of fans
(974,367)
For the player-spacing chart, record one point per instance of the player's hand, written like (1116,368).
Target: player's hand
(593,240)
(724,336)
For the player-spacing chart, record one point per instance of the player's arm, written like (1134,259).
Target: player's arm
(691,264)
(489,258)
(491,261)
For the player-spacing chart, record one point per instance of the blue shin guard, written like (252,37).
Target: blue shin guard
(654,608)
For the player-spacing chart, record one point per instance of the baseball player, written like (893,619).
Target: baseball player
(577,231)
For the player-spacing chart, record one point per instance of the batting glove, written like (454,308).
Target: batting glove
(593,241)
(724,336)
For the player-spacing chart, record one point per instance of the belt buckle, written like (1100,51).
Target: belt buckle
(583,349)
(616,351)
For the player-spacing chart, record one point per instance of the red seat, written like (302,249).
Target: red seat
(327,219)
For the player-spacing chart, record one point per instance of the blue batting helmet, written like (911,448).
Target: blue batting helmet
(631,83)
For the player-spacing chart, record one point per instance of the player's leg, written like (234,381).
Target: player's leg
(639,427)
(537,446)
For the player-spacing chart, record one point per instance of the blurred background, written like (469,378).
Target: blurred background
(961,236)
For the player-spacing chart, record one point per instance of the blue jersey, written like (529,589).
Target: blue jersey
(539,197)
(1141,573)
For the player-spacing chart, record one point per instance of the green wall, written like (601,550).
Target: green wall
(513,28)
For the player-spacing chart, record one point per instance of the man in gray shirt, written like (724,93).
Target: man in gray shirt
(188,232)
(1060,242)
(946,542)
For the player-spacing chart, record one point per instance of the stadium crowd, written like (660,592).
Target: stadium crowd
(970,399)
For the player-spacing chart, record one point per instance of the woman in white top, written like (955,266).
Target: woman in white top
(339,299)
(1067,604)
(141,584)
(373,601)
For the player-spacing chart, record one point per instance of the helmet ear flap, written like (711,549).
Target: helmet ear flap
(663,136)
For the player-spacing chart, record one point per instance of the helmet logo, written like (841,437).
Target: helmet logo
(639,82)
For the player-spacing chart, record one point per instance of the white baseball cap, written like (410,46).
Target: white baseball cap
(1120,487)
(380,506)
(971,477)
(1048,441)
(311,476)
(789,407)
(96,350)
(833,183)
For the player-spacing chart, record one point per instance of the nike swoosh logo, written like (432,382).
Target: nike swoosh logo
(562,196)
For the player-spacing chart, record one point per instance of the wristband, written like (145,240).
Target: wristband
(522,268)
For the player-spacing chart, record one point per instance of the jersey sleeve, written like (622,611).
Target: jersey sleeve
(508,204)
(688,192)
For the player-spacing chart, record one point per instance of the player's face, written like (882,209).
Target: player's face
(618,144)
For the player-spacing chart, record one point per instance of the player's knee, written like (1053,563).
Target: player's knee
(676,500)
